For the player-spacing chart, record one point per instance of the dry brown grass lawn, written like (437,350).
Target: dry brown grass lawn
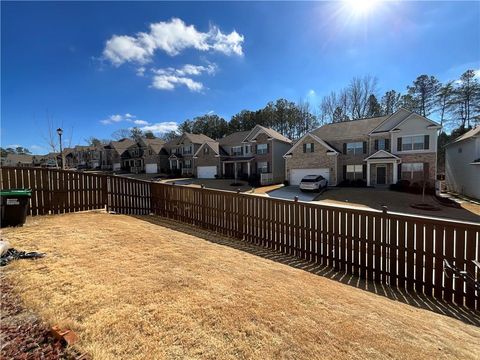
(133,289)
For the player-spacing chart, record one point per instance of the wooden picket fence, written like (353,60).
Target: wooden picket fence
(398,250)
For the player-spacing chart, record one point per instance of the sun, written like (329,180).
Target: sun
(361,7)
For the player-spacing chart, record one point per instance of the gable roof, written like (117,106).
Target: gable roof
(382,154)
(329,148)
(234,139)
(122,145)
(20,158)
(475,132)
(270,132)
(156,144)
(348,129)
(196,138)
(214,145)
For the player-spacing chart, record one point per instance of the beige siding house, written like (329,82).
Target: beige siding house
(378,151)
(462,164)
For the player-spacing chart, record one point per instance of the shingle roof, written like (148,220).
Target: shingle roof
(348,129)
(156,144)
(122,145)
(270,132)
(469,134)
(198,138)
(233,139)
(16,158)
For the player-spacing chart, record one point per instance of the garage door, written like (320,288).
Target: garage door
(206,172)
(296,175)
(151,168)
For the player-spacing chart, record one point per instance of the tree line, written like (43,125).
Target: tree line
(456,105)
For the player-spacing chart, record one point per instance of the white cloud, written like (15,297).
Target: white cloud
(140,122)
(161,127)
(141,71)
(477,73)
(112,119)
(169,78)
(172,37)
(129,116)
(14,146)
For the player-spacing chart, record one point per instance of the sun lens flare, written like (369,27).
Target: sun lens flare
(361,7)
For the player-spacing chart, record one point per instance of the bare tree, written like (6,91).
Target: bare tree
(121,134)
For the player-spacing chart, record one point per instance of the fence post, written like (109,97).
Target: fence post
(240,215)
(105,192)
(202,204)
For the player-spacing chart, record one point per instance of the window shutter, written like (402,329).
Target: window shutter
(426,142)
(399,144)
(376,145)
(364,147)
(364,171)
(399,172)
(304,148)
(268,148)
(387,144)
(344,172)
(312,147)
(344,148)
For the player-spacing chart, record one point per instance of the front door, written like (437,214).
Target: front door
(381,175)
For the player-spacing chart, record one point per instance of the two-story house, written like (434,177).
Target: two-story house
(379,151)
(182,149)
(111,154)
(145,155)
(242,154)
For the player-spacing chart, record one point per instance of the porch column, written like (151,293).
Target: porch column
(248,168)
(395,172)
(368,174)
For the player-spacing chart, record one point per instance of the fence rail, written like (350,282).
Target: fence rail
(398,250)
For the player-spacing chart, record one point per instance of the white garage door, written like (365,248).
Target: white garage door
(296,175)
(151,168)
(206,172)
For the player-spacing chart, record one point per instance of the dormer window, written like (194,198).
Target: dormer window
(206,150)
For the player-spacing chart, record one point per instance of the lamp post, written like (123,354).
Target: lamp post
(60,132)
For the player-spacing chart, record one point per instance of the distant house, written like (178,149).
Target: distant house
(376,151)
(242,154)
(146,155)
(111,154)
(462,164)
(20,160)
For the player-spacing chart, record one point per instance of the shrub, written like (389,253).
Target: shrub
(286,183)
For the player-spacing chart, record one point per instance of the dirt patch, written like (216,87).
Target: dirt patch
(23,335)
(130,287)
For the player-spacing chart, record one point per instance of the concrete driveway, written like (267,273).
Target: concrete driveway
(289,193)
(394,200)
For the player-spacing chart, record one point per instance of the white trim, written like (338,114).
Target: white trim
(201,146)
(372,157)
(423,117)
(314,137)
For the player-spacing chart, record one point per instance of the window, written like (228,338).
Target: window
(354,172)
(459,150)
(206,150)
(308,148)
(187,164)
(187,150)
(248,149)
(174,150)
(150,152)
(412,171)
(262,167)
(413,143)
(237,150)
(262,149)
(355,148)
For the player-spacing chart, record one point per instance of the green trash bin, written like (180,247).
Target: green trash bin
(14,206)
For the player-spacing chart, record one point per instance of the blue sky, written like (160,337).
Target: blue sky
(95,67)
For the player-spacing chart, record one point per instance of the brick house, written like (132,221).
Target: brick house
(181,151)
(379,151)
(242,154)
(145,155)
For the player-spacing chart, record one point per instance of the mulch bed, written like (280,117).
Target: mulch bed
(23,335)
